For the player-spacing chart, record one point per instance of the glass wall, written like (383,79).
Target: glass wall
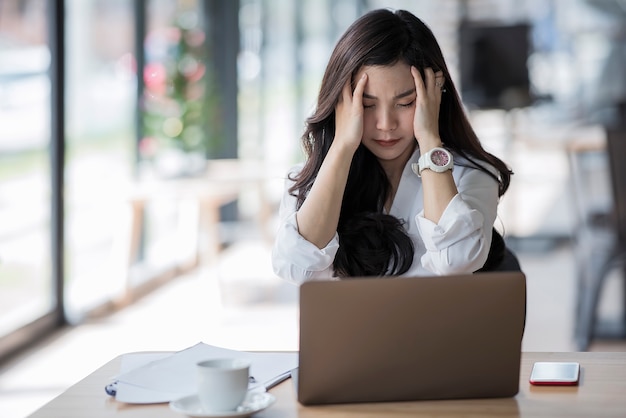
(174,142)
(118,233)
(25,255)
(100,144)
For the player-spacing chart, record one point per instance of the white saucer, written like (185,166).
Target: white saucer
(254,402)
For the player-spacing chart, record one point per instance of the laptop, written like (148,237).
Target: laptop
(406,339)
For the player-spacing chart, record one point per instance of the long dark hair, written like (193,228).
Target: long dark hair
(372,243)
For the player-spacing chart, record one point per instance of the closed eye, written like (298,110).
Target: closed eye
(410,104)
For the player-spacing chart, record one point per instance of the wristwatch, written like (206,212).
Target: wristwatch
(437,159)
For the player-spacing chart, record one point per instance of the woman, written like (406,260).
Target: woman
(377,194)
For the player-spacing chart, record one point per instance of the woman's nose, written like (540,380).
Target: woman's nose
(386,120)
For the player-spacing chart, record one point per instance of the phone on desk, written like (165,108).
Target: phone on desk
(555,373)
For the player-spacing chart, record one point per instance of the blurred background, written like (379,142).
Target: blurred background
(144,144)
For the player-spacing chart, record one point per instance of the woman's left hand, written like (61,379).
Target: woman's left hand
(426,119)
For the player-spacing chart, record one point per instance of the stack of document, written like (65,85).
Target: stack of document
(163,377)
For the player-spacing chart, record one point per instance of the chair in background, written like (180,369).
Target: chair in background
(600,242)
(510,262)
(501,257)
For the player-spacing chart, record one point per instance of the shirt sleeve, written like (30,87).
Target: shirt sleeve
(293,257)
(460,242)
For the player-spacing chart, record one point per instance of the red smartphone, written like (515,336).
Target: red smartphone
(555,373)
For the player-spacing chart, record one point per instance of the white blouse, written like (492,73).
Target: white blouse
(459,243)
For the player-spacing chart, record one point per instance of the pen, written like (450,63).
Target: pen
(278,379)
(111,388)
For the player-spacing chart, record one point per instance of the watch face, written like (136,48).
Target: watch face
(439,158)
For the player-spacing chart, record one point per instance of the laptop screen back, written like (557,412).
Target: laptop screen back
(398,339)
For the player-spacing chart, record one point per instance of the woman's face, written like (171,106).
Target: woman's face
(388,111)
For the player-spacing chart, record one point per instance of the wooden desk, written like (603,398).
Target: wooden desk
(601,393)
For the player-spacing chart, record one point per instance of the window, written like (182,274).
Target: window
(25,255)
(100,148)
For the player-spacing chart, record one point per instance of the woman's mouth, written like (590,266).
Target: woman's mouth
(387,142)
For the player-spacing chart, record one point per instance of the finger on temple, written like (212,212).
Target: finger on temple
(430,76)
(360,87)
(417,78)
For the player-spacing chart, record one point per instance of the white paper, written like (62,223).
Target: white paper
(135,394)
(174,376)
(132,361)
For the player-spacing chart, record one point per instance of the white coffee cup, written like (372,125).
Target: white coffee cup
(222,383)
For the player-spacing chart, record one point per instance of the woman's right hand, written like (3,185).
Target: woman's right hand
(349,115)
(318,216)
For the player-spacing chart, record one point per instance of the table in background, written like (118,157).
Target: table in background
(601,393)
(199,200)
